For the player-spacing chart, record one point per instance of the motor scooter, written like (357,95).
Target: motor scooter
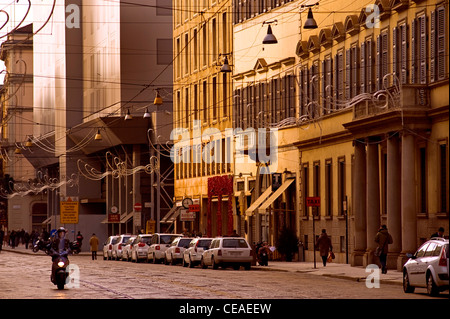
(75,247)
(40,244)
(59,273)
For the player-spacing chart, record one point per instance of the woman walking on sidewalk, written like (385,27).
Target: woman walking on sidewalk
(324,245)
(383,239)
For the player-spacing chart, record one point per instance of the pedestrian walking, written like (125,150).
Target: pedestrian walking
(93,242)
(323,244)
(26,239)
(383,239)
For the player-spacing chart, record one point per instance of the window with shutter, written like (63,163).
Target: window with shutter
(329,83)
(433,46)
(348,79)
(378,63)
(305,87)
(422,49)
(363,67)
(336,80)
(291,95)
(355,67)
(283,97)
(413,73)
(370,65)
(300,91)
(385,58)
(278,99)
(323,85)
(244,108)
(395,48)
(403,52)
(341,76)
(441,42)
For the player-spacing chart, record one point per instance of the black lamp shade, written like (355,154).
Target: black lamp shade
(310,22)
(269,38)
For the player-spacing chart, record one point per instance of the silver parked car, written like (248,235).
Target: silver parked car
(126,249)
(193,254)
(428,267)
(158,246)
(140,247)
(107,247)
(116,252)
(225,251)
(174,254)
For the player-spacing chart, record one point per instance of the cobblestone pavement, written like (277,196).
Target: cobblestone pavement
(25,276)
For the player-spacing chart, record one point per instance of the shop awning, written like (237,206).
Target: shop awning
(169,214)
(275,195)
(258,202)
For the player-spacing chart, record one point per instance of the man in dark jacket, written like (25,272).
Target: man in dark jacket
(383,239)
(324,246)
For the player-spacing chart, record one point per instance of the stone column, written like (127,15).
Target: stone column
(359,202)
(373,199)
(393,199)
(408,199)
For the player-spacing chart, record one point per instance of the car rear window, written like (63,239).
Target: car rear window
(114,240)
(125,239)
(437,250)
(204,243)
(146,240)
(234,243)
(184,242)
(167,239)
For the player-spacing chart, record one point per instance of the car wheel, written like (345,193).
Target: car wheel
(202,264)
(432,289)
(236,267)
(214,264)
(248,266)
(407,288)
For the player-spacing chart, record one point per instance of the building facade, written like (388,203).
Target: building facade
(370,117)
(202,114)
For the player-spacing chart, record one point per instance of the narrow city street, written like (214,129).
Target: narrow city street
(28,277)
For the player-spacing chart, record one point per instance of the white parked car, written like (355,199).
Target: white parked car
(126,249)
(116,251)
(193,254)
(107,247)
(225,251)
(158,246)
(140,247)
(174,254)
(428,267)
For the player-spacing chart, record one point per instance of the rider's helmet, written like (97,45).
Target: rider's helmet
(61,229)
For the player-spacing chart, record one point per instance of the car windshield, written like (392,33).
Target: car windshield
(234,243)
(184,242)
(204,243)
(167,239)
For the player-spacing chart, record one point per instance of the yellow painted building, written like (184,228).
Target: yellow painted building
(369,118)
(202,112)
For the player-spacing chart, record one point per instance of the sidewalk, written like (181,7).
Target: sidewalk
(333,270)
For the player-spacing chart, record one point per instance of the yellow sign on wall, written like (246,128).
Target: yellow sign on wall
(69,210)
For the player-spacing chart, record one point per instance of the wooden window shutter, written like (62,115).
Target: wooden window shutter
(363,68)
(291,95)
(378,63)
(283,97)
(395,47)
(441,56)
(278,99)
(413,73)
(385,58)
(355,67)
(404,53)
(244,108)
(370,65)
(300,91)
(323,76)
(423,50)
(329,83)
(336,81)
(348,73)
(341,77)
(433,46)
(305,88)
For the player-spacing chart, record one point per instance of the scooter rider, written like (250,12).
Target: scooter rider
(59,243)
